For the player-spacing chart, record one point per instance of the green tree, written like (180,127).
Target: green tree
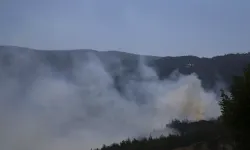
(235,108)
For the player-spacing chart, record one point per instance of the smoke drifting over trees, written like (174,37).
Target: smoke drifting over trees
(43,107)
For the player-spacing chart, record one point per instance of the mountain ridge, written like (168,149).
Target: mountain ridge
(209,70)
(115,51)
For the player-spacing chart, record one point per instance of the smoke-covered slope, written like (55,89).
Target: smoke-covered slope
(121,64)
(81,99)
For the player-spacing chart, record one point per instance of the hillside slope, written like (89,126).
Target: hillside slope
(209,70)
(120,64)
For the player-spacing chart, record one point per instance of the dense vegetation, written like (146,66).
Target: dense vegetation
(231,129)
(236,110)
(212,132)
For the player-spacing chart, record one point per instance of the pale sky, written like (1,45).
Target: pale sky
(154,27)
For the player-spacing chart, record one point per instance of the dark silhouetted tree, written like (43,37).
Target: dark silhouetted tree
(235,108)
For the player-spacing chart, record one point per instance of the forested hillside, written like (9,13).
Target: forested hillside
(23,66)
(121,64)
(192,135)
(209,70)
(230,131)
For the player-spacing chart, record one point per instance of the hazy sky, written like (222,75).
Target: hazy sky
(156,27)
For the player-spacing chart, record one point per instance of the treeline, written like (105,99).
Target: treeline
(212,132)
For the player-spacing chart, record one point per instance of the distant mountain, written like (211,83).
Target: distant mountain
(209,70)
(24,62)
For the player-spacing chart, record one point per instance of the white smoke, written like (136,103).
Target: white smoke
(58,114)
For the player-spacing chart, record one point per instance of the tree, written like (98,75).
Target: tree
(235,108)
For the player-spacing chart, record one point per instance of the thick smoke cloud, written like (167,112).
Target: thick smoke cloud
(51,112)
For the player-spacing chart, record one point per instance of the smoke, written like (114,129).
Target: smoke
(52,112)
